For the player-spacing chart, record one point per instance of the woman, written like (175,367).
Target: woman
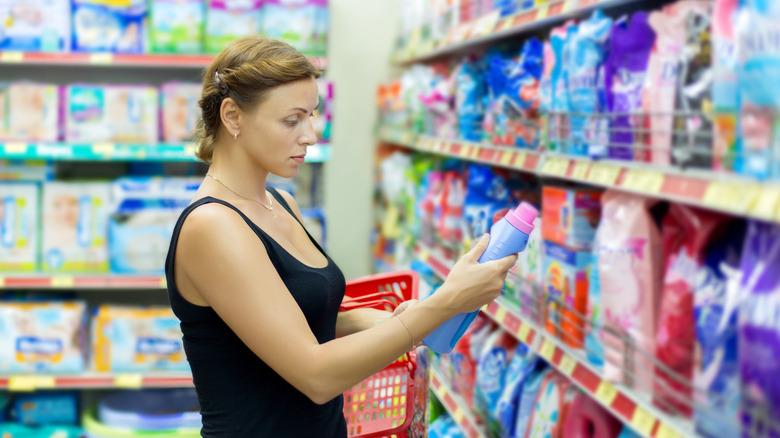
(258,299)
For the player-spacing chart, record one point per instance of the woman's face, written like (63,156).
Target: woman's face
(277,132)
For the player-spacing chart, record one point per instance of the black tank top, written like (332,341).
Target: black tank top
(240,396)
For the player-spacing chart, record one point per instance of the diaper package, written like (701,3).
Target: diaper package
(100,26)
(685,231)
(136,339)
(30,112)
(716,368)
(142,221)
(19,237)
(629,50)
(628,247)
(42,337)
(113,113)
(180,110)
(759,328)
(176,26)
(758,67)
(35,25)
(301,23)
(584,75)
(227,20)
(74,226)
(46,408)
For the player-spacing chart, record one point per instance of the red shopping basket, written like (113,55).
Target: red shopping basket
(383,404)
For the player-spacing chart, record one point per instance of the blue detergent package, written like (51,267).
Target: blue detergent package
(523,363)
(758,70)
(585,79)
(470,100)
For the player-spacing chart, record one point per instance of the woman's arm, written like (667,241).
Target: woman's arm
(230,269)
(358,320)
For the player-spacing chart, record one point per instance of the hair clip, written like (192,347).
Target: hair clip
(217,79)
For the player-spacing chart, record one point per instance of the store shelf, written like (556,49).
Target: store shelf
(120,152)
(622,402)
(33,382)
(455,406)
(117,60)
(76,281)
(716,191)
(492,27)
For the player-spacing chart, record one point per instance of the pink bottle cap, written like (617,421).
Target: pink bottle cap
(523,217)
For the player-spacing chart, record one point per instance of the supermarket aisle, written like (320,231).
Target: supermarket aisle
(645,132)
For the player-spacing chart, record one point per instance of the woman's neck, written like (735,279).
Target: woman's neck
(232,168)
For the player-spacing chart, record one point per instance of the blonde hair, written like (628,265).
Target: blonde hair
(245,71)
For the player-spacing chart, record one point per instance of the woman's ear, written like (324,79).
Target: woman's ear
(230,114)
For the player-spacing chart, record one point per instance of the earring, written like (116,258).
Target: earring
(235,135)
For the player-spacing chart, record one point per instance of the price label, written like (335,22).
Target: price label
(520,160)
(646,181)
(555,166)
(104,149)
(2,281)
(424,255)
(62,281)
(505,24)
(569,5)
(606,393)
(580,170)
(189,149)
(506,157)
(486,24)
(129,381)
(101,58)
(500,314)
(543,11)
(603,174)
(547,350)
(12,56)
(522,333)
(767,203)
(665,431)
(15,148)
(642,421)
(567,365)
(475,152)
(163,283)
(458,415)
(30,383)
(731,196)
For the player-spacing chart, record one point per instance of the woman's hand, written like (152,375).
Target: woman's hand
(470,285)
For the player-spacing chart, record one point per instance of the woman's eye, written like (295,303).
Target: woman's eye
(291,122)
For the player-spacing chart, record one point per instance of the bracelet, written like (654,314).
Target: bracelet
(411,338)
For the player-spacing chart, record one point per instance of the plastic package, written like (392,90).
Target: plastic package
(100,26)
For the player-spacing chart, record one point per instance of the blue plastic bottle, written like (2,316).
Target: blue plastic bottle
(507,236)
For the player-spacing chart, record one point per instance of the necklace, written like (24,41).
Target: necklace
(269,207)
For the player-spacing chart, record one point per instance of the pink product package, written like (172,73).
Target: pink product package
(663,74)
(180,110)
(628,247)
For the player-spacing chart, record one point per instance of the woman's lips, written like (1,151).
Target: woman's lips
(299,158)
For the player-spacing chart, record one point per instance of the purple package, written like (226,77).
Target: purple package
(759,331)
(629,50)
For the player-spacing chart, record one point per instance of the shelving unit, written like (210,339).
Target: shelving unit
(492,28)
(622,402)
(86,281)
(120,152)
(27,383)
(716,191)
(455,406)
(117,60)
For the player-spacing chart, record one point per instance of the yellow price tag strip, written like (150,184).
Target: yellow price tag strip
(2,281)
(520,160)
(506,158)
(603,174)
(500,314)
(731,196)
(486,24)
(606,393)
(12,56)
(475,151)
(101,58)
(129,381)
(543,11)
(580,170)
(568,5)
(665,431)
(567,365)
(522,333)
(458,415)
(62,281)
(645,181)
(643,421)
(555,166)
(103,148)
(547,350)
(767,205)
(15,148)
(30,383)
